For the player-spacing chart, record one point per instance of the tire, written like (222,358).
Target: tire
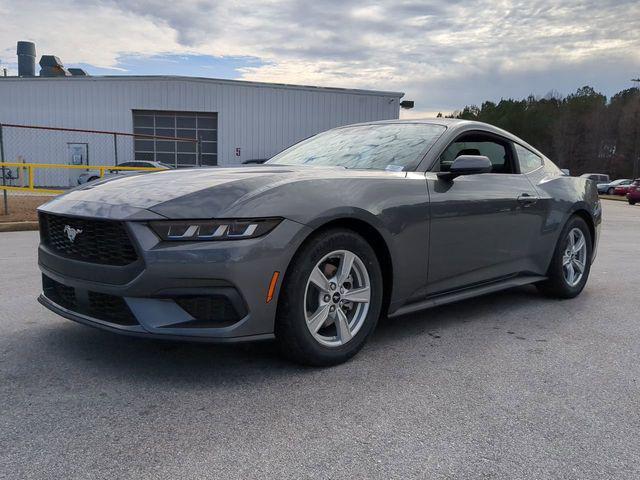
(302,301)
(611,191)
(557,284)
(632,202)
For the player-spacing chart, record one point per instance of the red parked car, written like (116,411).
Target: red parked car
(622,190)
(633,195)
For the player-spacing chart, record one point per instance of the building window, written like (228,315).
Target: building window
(188,125)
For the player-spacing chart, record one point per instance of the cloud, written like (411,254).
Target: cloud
(442,54)
(81,32)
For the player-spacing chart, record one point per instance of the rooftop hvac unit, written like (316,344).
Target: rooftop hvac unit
(26,59)
(51,66)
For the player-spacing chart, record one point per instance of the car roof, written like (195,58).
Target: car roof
(450,123)
(432,121)
(456,125)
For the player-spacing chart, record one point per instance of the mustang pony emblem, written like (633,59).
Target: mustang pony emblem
(71,232)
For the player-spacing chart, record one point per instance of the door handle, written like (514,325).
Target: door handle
(526,199)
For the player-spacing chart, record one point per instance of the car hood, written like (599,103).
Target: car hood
(193,193)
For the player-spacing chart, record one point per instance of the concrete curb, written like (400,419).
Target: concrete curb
(18,226)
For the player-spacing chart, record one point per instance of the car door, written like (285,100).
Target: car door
(480,224)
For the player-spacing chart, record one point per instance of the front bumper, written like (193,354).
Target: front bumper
(141,332)
(152,289)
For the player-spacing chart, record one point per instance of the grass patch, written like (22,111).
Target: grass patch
(617,198)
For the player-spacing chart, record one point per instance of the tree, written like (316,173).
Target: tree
(582,131)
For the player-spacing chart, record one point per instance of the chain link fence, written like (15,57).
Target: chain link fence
(30,144)
(30,155)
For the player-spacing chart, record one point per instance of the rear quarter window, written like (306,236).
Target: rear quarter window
(528,160)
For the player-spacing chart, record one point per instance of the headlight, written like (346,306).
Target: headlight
(199,230)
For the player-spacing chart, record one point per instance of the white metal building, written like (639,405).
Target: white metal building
(234,120)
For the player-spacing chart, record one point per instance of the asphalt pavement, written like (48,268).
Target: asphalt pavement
(511,385)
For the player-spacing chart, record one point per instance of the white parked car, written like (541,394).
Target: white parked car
(90,176)
(610,187)
(597,177)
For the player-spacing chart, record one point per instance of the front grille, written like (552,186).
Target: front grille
(105,307)
(208,311)
(105,242)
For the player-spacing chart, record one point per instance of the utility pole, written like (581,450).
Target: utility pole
(4,178)
(636,153)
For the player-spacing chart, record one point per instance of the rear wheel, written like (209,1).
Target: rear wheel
(631,202)
(571,262)
(331,299)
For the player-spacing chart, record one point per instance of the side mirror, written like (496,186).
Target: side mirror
(467,165)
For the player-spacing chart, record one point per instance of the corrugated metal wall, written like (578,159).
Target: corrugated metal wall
(260,119)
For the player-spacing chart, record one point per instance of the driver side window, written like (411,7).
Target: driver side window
(498,151)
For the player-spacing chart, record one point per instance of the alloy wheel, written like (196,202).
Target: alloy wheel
(337,298)
(574,259)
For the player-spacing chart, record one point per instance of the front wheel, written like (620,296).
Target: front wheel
(571,262)
(632,202)
(331,299)
(611,191)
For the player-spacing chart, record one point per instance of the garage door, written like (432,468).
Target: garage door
(203,126)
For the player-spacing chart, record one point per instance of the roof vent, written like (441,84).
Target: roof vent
(51,66)
(26,59)
(78,72)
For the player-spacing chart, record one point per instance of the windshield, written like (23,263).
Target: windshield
(393,146)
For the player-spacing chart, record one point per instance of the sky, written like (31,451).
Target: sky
(442,54)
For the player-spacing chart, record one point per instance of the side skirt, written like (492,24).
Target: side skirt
(457,295)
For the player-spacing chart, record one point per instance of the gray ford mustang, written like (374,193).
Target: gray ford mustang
(311,248)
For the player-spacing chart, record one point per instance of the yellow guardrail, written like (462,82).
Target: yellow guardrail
(31,167)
